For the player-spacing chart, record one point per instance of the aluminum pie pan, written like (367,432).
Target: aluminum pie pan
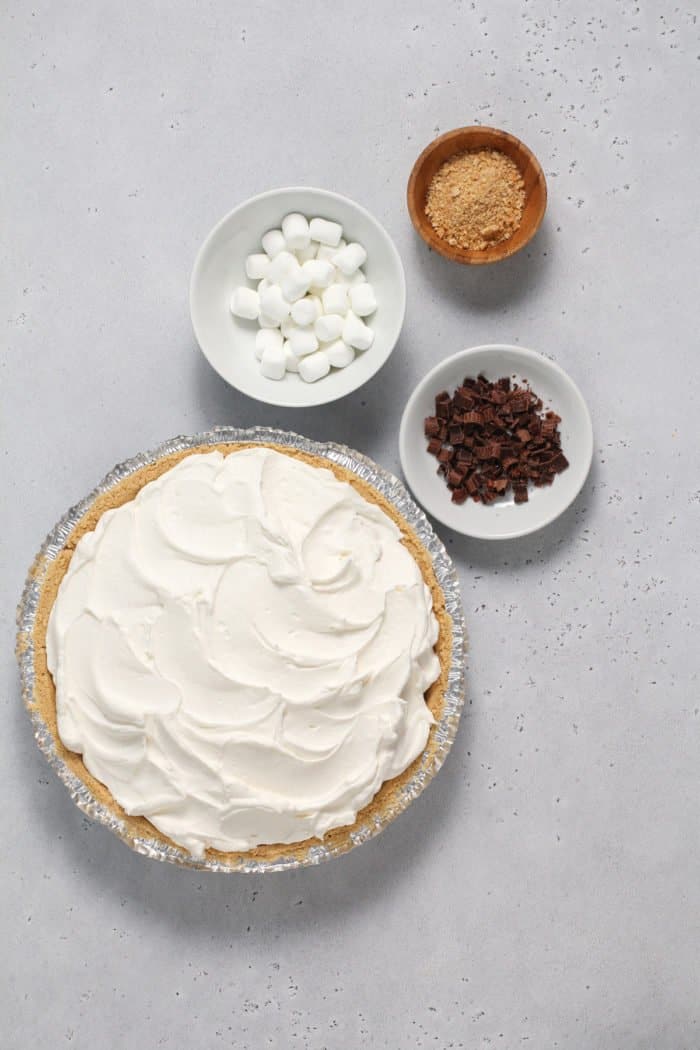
(453,700)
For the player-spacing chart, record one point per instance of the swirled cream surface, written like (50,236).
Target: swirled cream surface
(241,652)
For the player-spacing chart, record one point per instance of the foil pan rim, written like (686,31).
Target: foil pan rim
(393,490)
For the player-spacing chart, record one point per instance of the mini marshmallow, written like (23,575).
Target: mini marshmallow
(328,327)
(266,338)
(326,232)
(283,264)
(305,311)
(310,284)
(314,367)
(302,341)
(356,333)
(320,271)
(326,253)
(267,322)
(350,258)
(357,277)
(339,354)
(295,285)
(273,243)
(295,229)
(291,360)
(245,302)
(304,254)
(273,363)
(256,266)
(362,299)
(335,299)
(273,304)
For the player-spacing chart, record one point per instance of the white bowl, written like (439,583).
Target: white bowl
(504,519)
(228,343)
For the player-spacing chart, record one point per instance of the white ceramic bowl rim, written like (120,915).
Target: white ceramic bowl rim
(430,381)
(321,392)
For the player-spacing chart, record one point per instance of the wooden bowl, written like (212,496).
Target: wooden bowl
(477,138)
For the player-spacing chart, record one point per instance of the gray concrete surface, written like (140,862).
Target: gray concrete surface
(544,892)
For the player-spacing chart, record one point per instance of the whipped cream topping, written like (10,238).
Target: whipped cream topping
(241,652)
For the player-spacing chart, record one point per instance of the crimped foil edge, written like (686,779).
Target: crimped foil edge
(445,573)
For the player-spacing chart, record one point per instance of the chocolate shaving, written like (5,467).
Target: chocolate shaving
(490,438)
(463,398)
(473,418)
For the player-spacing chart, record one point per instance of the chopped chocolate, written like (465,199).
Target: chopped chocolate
(463,398)
(483,453)
(519,403)
(490,438)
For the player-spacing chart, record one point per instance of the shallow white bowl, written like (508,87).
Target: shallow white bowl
(504,519)
(228,343)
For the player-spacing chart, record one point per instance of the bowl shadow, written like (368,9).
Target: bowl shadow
(354,420)
(539,546)
(485,288)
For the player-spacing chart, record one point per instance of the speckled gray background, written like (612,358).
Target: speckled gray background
(544,892)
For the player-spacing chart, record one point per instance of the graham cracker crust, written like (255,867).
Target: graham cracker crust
(48,575)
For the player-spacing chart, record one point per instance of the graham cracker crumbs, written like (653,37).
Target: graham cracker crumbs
(476,199)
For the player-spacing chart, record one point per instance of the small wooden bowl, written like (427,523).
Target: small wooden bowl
(467,139)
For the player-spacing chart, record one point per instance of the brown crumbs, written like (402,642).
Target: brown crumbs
(491,437)
(476,199)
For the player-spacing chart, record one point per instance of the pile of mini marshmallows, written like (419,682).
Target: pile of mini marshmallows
(310,301)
